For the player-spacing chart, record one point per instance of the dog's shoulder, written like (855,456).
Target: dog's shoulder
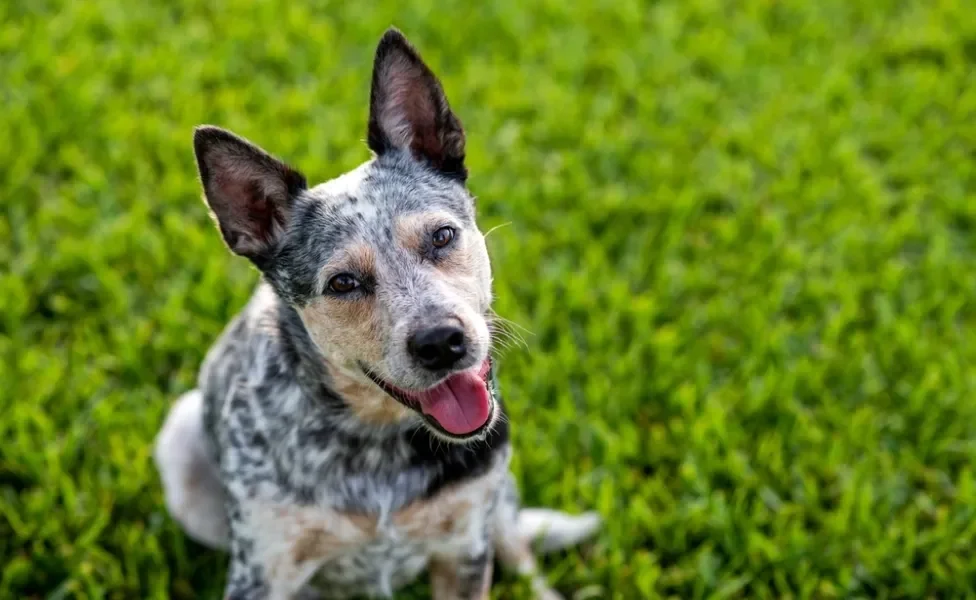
(247,367)
(250,339)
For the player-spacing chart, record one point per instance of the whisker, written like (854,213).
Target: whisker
(485,234)
(507,325)
(503,342)
(506,337)
(510,323)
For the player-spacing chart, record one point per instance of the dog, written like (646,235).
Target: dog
(347,433)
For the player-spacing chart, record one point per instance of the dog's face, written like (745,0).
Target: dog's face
(385,264)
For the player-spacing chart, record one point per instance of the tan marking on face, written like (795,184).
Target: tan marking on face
(358,259)
(344,329)
(463,262)
(464,268)
(348,330)
(368,402)
(411,231)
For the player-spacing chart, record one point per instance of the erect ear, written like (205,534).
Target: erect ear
(408,109)
(249,192)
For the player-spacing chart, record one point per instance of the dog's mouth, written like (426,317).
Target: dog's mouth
(460,406)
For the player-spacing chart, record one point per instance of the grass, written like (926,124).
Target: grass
(742,234)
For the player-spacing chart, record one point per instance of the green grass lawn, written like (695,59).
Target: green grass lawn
(741,234)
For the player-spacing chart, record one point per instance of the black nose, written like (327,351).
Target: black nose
(438,347)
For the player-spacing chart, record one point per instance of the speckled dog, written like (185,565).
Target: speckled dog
(347,431)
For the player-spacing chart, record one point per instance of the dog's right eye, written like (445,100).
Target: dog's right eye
(343,283)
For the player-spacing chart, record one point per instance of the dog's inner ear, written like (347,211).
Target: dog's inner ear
(249,191)
(408,109)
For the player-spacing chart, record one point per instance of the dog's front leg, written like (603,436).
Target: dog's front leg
(464,577)
(252,578)
(246,578)
(271,557)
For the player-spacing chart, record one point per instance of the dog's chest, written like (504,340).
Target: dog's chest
(346,553)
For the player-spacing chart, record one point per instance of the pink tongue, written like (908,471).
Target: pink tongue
(460,404)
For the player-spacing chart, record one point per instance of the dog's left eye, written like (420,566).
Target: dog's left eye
(442,237)
(343,283)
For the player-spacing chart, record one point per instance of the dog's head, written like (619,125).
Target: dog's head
(384,264)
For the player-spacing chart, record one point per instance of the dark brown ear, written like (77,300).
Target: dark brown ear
(249,192)
(408,109)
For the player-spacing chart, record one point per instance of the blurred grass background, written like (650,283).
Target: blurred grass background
(741,233)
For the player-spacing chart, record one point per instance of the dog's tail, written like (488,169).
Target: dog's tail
(191,484)
(549,530)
